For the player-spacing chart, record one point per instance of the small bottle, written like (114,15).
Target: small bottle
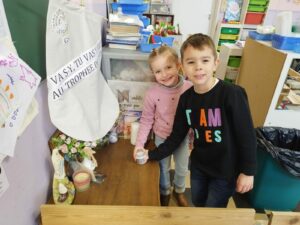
(140,157)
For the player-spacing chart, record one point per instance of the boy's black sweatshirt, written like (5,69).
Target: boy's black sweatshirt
(224,137)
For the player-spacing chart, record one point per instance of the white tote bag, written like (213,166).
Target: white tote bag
(81,104)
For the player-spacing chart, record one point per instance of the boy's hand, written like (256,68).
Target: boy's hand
(244,183)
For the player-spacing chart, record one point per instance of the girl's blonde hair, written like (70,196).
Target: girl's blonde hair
(171,53)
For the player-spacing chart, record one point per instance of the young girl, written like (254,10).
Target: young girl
(158,114)
(223,159)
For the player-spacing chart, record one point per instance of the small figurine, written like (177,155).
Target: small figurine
(63,189)
(63,193)
(89,163)
(113,137)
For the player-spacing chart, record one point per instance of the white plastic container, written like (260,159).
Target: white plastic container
(134,131)
(140,157)
(283,23)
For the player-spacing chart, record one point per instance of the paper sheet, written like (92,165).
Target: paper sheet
(18,83)
(7,97)
(4,30)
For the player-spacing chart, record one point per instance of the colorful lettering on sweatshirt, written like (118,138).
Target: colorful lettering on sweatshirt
(209,120)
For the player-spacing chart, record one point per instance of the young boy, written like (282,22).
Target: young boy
(224,156)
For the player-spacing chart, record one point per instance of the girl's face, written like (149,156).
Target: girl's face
(165,70)
(199,66)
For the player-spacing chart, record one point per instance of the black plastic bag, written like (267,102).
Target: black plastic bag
(283,144)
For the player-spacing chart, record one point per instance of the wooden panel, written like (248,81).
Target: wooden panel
(143,215)
(285,218)
(127,183)
(259,73)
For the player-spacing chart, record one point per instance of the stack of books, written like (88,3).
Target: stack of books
(124,31)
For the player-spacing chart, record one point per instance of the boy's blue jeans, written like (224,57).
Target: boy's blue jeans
(181,156)
(208,191)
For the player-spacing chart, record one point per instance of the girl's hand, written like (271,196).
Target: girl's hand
(135,151)
(244,183)
(145,151)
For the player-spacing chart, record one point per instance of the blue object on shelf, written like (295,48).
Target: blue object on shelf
(167,40)
(257,36)
(137,2)
(145,46)
(285,43)
(145,20)
(297,47)
(133,9)
(145,32)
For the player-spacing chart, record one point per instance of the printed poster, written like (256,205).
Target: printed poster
(130,96)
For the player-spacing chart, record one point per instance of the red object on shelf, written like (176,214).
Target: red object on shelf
(254,18)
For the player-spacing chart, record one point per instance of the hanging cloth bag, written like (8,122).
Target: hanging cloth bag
(81,104)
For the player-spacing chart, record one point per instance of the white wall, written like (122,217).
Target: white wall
(192,15)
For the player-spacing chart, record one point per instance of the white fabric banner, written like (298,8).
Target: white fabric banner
(81,104)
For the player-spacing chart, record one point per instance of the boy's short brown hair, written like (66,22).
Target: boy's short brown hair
(198,41)
(162,50)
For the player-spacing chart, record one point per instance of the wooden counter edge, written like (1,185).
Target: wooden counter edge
(143,215)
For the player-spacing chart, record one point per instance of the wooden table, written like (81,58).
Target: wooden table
(127,183)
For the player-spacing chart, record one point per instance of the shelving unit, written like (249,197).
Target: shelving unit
(229,32)
(111,57)
(263,74)
(160,7)
(227,51)
(160,11)
(290,95)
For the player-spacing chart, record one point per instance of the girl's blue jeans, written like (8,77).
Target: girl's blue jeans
(208,191)
(181,156)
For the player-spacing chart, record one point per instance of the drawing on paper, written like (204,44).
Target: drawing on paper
(28,77)
(5,102)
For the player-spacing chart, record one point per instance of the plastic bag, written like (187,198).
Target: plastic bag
(283,144)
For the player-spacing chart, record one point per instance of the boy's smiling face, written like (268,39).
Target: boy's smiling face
(199,66)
